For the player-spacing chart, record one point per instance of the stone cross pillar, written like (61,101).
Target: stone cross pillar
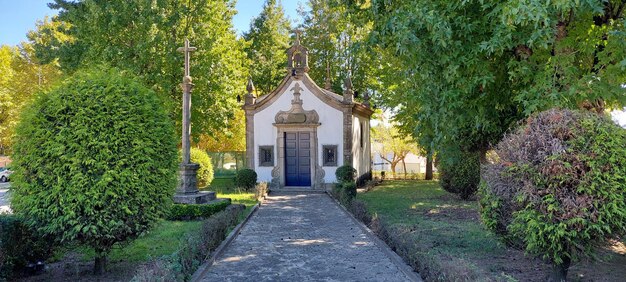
(187,191)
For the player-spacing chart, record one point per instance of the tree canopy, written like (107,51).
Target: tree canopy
(142,37)
(467,70)
(268,39)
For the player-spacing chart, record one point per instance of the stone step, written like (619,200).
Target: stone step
(200,197)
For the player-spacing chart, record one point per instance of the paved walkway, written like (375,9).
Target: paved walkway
(303,238)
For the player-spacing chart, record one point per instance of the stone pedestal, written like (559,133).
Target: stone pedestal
(187,192)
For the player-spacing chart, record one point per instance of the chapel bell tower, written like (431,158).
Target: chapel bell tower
(297,58)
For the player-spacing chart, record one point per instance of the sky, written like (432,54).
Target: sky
(17,17)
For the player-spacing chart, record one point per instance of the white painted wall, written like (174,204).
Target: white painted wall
(328,133)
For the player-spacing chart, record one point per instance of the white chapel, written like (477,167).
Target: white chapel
(299,134)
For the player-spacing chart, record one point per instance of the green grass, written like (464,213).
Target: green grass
(439,225)
(163,239)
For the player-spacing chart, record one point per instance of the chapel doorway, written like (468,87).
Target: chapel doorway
(298,159)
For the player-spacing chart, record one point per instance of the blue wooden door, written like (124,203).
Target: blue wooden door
(298,158)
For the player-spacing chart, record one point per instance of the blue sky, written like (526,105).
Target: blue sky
(17,17)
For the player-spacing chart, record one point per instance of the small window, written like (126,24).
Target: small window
(266,155)
(329,152)
(361,133)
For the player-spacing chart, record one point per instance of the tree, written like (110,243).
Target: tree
(468,70)
(337,43)
(394,146)
(78,149)
(142,37)
(557,186)
(268,40)
(22,75)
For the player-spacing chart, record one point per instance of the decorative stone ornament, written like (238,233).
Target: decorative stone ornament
(297,114)
(250,98)
(348,94)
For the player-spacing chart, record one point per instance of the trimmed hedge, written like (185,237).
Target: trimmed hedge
(20,246)
(246,178)
(195,211)
(345,173)
(558,186)
(205,172)
(94,161)
(460,174)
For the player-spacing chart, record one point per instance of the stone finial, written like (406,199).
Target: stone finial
(366,99)
(348,92)
(250,86)
(249,97)
(328,83)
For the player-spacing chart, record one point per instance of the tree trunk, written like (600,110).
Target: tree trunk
(101,263)
(429,166)
(393,169)
(483,156)
(404,166)
(559,271)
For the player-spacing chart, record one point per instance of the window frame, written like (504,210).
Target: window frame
(261,156)
(325,161)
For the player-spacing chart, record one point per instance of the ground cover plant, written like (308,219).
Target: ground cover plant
(442,237)
(98,138)
(558,187)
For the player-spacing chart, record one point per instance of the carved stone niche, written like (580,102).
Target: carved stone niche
(297,115)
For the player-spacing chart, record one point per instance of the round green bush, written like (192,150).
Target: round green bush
(246,178)
(345,173)
(558,187)
(205,172)
(94,161)
(460,173)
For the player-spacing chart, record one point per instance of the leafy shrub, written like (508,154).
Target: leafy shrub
(95,161)
(194,249)
(205,172)
(460,173)
(20,246)
(345,173)
(246,178)
(344,192)
(558,188)
(195,211)
(363,179)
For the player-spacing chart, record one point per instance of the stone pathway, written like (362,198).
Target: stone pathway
(303,238)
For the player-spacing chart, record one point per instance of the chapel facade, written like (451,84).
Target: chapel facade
(299,134)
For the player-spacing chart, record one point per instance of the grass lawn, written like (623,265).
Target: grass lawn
(445,235)
(162,240)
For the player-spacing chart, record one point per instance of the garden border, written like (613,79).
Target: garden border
(220,249)
(393,256)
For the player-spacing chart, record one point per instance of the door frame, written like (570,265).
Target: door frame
(317,173)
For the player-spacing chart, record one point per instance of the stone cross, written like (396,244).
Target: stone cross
(186,86)
(187,51)
(298,32)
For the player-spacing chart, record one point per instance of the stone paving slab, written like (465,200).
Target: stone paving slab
(303,237)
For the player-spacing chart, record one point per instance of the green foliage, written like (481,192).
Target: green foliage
(205,172)
(465,71)
(460,173)
(246,178)
(20,246)
(269,39)
(194,211)
(558,188)
(395,145)
(142,37)
(193,251)
(94,160)
(345,173)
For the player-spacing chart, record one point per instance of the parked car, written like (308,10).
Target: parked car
(4,174)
